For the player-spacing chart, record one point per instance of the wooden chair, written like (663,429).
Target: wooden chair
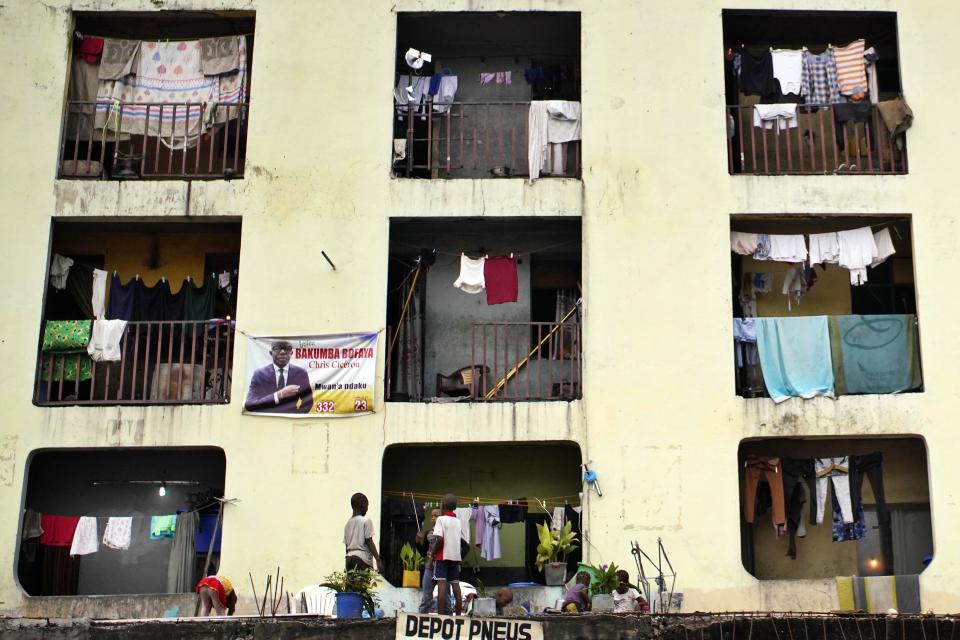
(461,381)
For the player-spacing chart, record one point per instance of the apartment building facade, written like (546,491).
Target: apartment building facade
(347,210)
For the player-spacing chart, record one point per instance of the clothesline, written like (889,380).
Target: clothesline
(527,502)
(177,513)
(515,251)
(193,39)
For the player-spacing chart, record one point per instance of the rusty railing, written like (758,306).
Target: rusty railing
(475,140)
(527,361)
(817,145)
(165,362)
(183,140)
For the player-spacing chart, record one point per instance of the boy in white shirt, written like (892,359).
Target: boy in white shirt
(444,554)
(625,597)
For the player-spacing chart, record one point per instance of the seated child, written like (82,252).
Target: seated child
(625,597)
(577,598)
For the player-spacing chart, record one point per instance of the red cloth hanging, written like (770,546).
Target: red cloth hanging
(90,48)
(500,279)
(58,530)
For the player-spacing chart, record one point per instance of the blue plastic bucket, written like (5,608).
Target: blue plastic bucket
(349,605)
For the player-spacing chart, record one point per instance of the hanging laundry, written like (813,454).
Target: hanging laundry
(781,116)
(873,82)
(756,76)
(172,304)
(550,122)
(120,305)
(399,149)
(500,279)
(782,248)
(90,48)
(836,470)
(871,466)
(120,58)
(162,526)
(66,341)
(446,94)
(847,531)
(32,524)
(116,535)
(148,301)
(99,295)
(513,511)
(884,246)
(795,357)
(224,282)
(499,77)
(762,282)
(743,244)
(105,340)
(434,87)
(794,285)
(557,519)
(464,515)
(851,69)
(858,249)
(219,55)
(875,353)
(490,543)
(59,269)
(770,469)
(85,537)
(824,248)
(199,302)
(58,530)
(410,89)
(896,114)
(745,339)
(471,278)
(788,69)
(819,85)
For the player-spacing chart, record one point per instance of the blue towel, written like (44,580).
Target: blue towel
(877,354)
(795,357)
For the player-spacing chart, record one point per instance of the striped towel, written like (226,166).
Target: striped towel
(851,69)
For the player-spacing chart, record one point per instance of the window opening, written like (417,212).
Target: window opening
(135,554)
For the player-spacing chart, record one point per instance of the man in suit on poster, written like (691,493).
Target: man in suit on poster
(280,387)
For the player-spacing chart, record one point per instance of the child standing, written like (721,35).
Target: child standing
(444,554)
(577,598)
(358,537)
(625,597)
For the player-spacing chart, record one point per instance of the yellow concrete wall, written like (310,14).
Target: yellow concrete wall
(180,254)
(659,419)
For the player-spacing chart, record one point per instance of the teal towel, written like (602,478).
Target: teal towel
(162,526)
(795,357)
(875,354)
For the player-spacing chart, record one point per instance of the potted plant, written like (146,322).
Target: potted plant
(553,550)
(412,561)
(482,605)
(355,591)
(602,587)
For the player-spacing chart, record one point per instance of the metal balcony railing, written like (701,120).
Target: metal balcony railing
(166,362)
(815,143)
(124,140)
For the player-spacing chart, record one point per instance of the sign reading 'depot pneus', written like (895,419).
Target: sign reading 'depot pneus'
(411,626)
(311,376)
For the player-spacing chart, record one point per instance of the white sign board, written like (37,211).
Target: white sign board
(412,626)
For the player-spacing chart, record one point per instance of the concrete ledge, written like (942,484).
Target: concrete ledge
(159,605)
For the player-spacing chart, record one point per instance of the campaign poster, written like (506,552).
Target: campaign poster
(311,376)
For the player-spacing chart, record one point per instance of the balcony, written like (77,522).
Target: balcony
(814,143)
(182,140)
(516,361)
(477,140)
(161,363)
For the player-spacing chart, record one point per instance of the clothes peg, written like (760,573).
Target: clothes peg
(114,272)
(137,277)
(188,279)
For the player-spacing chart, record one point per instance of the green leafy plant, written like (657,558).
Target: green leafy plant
(411,558)
(605,579)
(480,587)
(360,581)
(554,545)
